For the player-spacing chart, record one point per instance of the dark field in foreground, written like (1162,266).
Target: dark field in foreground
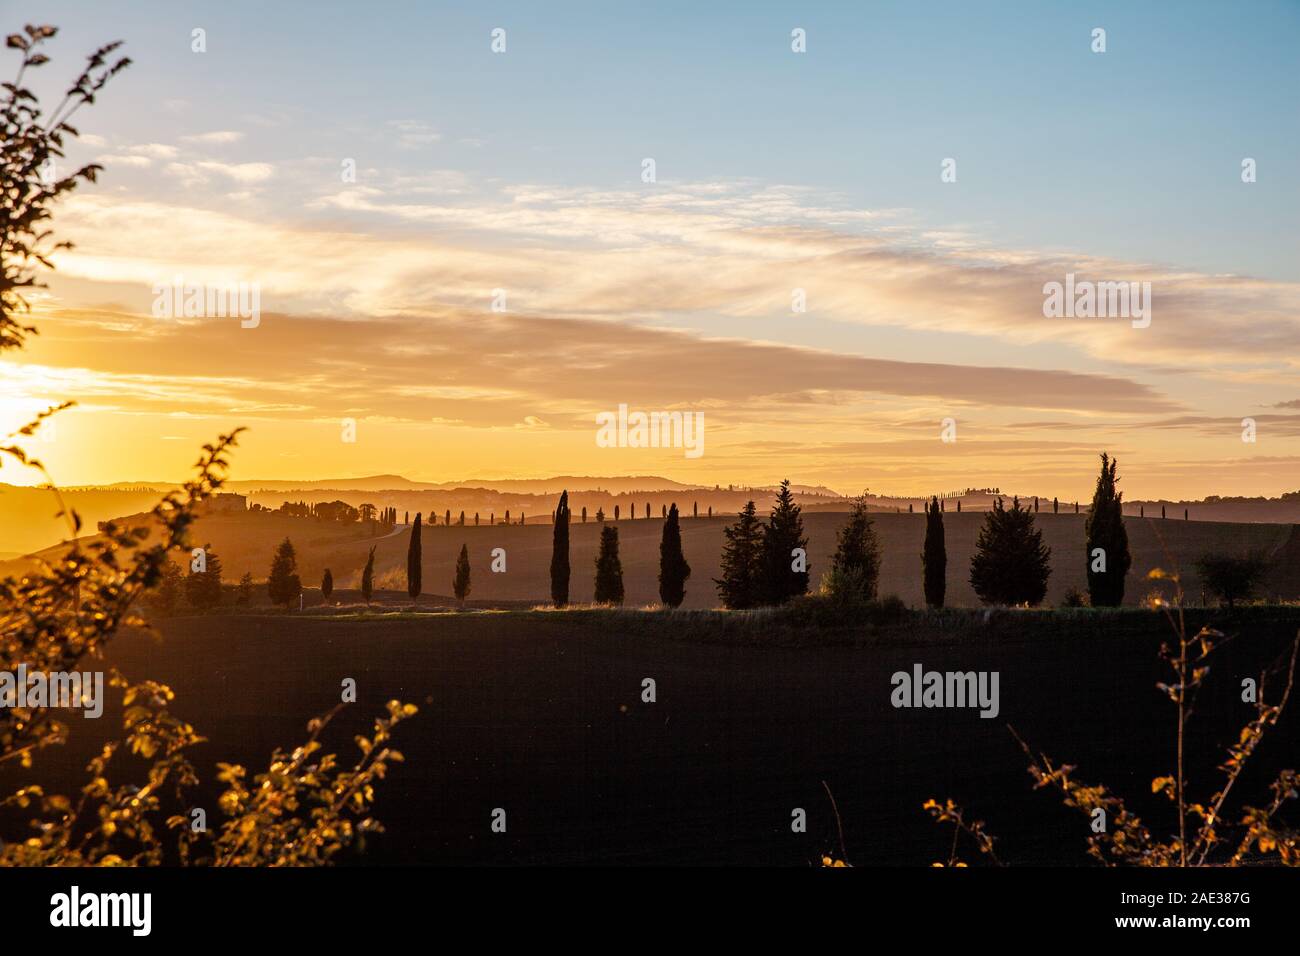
(541,714)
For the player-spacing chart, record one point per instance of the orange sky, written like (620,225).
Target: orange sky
(474,325)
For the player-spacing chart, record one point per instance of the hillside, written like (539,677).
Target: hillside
(245,542)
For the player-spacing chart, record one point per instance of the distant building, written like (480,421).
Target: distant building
(225,501)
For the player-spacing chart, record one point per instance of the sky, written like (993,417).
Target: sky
(499,271)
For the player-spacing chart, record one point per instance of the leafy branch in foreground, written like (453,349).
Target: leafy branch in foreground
(305,808)
(1259,836)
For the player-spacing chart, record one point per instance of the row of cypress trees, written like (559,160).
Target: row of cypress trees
(1011,565)
(765,563)
(674,570)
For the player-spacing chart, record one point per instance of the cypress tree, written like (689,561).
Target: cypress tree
(1104,529)
(855,568)
(584,514)
(934,556)
(326,585)
(461,584)
(609,570)
(600,515)
(1056,507)
(741,584)
(782,534)
(368,578)
(673,569)
(560,553)
(447,520)
(413,557)
(282,583)
(244,593)
(616,512)
(1010,565)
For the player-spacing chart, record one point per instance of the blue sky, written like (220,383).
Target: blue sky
(1131,153)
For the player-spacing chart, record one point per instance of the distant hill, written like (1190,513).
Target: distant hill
(29,522)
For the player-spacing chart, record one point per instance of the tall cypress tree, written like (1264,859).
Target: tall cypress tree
(1010,564)
(413,556)
(326,585)
(283,584)
(461,584)
(934,556)
(673,569)
(368,578)
(855,568)
(741,584)
(609,570)
(782,534)
(1104,529)
(560,553)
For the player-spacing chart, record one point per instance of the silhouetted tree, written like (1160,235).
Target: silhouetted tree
(673,569)
(203,588)
(616,512)
(609,570)
(461,584)
(244,592)
(1056,507)
(584,514)
(1104,530)
(782,535)
(446,519)
(414,556)
(282,583)
(326,585)
(741,565)
(368,578)
(934,556)
(1010,564)
(560,553)
(1232,579)
(855,568)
